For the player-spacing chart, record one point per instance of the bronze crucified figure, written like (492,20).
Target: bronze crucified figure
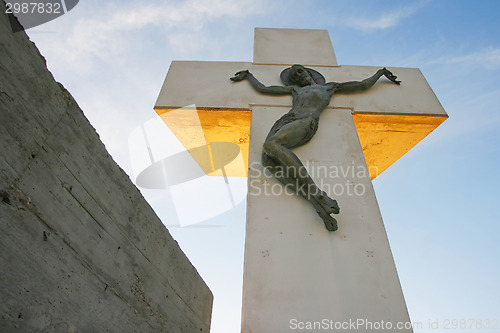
(311,95)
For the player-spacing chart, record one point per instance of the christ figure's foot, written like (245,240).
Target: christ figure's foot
(329,205)
(330,222)
(324,212)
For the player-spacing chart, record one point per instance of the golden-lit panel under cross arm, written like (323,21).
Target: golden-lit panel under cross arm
(385,138)
(217,139)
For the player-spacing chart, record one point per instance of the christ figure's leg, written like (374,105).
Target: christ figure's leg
(290,171)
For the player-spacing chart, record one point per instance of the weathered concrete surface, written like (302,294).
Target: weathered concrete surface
(80,249)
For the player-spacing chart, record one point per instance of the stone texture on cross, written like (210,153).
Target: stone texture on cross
(294,268)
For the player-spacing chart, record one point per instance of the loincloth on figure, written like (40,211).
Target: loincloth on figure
(289,118)
(284,120)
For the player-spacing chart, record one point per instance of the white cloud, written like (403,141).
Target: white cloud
(99,34)
(488,58)
(386,20)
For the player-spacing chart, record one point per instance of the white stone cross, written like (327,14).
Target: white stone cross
(296,273)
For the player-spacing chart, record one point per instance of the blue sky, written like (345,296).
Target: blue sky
(439,202)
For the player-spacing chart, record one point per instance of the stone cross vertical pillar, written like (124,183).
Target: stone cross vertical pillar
(296,273)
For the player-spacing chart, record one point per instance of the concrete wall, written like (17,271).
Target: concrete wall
(80,249)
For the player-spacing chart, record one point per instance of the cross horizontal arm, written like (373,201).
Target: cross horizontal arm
(214,91)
